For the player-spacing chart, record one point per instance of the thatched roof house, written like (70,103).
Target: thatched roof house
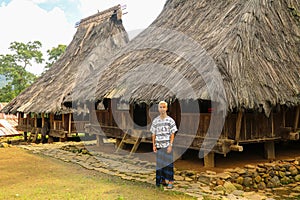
(241,56)
(255,46)
(47,94)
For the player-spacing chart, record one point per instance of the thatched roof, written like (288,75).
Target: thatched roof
(195,47)
(90,41)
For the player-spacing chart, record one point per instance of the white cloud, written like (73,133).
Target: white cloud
(39,1)
(24,21)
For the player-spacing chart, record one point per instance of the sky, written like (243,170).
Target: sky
(52,22)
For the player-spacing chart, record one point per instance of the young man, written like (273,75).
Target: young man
(163,130)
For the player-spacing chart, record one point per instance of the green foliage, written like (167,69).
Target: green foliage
(54,54)
(13,67)
(14,76)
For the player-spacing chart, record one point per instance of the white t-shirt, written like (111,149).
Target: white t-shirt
(162,129)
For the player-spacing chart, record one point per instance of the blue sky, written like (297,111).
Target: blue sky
(53,21)
(71,8)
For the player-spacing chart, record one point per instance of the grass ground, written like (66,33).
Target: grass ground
(24,175)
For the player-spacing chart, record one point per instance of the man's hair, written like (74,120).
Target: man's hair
(163,102)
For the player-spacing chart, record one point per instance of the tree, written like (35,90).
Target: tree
(13,67)
(54,54)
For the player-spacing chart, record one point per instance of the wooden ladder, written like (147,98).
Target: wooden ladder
(34,134)
(131,136)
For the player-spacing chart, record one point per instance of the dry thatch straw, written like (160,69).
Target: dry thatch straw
(50,90)
(254,44)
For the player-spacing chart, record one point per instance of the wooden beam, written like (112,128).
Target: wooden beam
(238,126)
(296,123)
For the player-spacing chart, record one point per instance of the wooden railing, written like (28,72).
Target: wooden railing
(78,126)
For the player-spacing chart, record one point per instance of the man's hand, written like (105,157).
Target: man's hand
(169,149)
(154,149)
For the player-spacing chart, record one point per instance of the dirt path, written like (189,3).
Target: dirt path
(28,176)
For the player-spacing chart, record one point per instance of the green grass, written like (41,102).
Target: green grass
(29,176)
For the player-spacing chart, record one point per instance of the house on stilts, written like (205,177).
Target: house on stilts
(200,55)
(41,104)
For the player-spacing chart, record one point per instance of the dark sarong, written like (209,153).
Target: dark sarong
(164,166)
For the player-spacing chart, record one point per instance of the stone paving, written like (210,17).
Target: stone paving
(208,185)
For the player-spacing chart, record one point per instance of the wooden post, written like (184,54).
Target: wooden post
(296,123)
(273,125)
(269,148)
(283,117)
(63,121)
(209,160)
(148,116)
(43,120)
(35,120)
(27,126)
(91,111)
(99,140)
(245,126)
(70,124)
(113,108)
(54,124)
(238,126)
(27,121)
(36,130)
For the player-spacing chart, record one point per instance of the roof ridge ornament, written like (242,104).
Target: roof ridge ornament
(101,16)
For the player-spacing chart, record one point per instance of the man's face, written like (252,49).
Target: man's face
(162,108)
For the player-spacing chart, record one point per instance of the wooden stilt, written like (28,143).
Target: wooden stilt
(25,136)
(99,140)
(209,160)
(50,139)
(269,148)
